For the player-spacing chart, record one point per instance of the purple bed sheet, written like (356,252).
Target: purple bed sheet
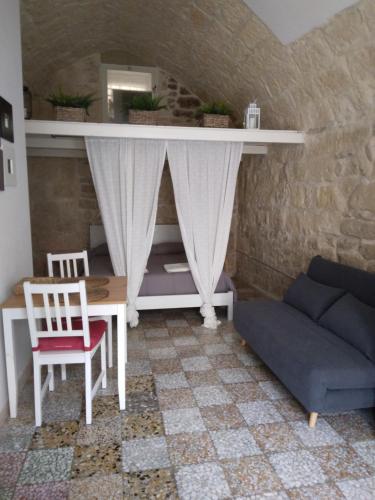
(157,281)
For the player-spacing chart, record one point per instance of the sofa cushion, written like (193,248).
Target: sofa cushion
(356,281)
(354,321)
(311,297)
(309,359)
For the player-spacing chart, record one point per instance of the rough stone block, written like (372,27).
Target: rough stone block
(358,228)
(367,250)
(188,102)
(184,91)
(363,197)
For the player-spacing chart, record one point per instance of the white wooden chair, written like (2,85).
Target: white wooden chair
(56,342)
(68,266)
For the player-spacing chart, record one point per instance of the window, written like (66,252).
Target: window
(121,84)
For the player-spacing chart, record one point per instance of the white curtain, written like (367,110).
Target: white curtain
(127,175)
(204,178)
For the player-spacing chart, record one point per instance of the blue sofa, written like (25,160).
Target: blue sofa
(320,340)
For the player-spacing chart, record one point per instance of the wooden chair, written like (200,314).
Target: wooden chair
(56,342)
(69,266)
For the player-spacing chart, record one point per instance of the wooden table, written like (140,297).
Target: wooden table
(114,304)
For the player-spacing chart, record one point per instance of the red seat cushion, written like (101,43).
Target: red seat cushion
(97,329)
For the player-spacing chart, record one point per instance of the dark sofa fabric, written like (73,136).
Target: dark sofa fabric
(323,370)
(310,361)
(311,297)
(359,283)
(353,321)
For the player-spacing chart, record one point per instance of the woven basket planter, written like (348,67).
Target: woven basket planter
(142,117)
(216,121)
(70,114)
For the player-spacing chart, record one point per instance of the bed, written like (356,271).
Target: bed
(160,289)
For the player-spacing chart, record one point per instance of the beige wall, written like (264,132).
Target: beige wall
(297,201)
(63,205)
(83,76)
(62,196)
(318,198)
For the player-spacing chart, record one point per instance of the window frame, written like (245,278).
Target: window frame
(104,68)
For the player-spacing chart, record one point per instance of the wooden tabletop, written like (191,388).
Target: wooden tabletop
(116,287)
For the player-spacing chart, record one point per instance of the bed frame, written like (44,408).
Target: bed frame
(183,301)
(167,233)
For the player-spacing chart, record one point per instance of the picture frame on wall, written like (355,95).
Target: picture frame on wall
(6,120)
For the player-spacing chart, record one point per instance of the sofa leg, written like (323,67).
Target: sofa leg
(312,419)
(243,342)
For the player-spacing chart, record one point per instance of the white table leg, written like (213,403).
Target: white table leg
(121,353)
(109,338)
(10,362)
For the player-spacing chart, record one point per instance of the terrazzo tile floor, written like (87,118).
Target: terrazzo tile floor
(205,419)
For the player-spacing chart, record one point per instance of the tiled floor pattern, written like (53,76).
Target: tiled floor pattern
(205,419)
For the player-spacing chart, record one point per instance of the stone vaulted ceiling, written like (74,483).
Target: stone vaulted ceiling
(219,48)
(193,39)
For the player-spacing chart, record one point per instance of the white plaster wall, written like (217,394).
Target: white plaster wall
(290,19)
(15,237)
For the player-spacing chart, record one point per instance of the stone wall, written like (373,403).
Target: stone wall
(297,201)
(318,198)
(83,76)
(63,205)
(62,196)
(61,218)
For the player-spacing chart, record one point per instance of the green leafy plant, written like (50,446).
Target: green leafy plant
(146,102)
(71,100)
(214,108)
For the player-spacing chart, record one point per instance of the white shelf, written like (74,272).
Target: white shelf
(77,129)
(74,147)
(57,138)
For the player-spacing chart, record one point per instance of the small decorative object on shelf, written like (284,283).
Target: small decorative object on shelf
(27,102)
(252,116)
(71,108)
(215,115)
(143,109)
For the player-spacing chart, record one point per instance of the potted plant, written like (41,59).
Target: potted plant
(215,114)
(71,108)
(143,108)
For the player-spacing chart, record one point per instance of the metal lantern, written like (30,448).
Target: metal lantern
(252,116)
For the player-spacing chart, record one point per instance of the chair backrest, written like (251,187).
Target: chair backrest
(68,264)
(52,302)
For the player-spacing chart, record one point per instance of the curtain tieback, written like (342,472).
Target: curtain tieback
(132,315)
(208,312)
